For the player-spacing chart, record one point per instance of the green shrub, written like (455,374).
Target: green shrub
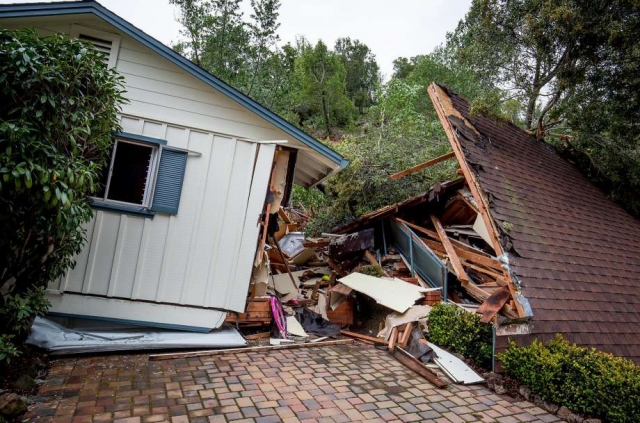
(461,332)
(59,106)
(583,379)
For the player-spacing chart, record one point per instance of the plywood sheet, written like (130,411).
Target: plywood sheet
(395,294)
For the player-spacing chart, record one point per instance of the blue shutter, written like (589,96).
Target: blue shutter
(166,197)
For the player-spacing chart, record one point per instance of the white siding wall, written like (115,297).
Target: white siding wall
(191,258)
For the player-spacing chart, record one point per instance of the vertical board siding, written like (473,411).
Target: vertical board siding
(124,268)
(102,253)
(74,278)
(228,240)
(209,222)
(183,225)
(235,298)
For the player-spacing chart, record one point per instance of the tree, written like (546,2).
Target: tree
(321,80)
(217,38)
(574,67)
(57,118)
(362,71)
(527,47)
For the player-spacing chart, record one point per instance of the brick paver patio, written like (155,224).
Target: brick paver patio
(329,384)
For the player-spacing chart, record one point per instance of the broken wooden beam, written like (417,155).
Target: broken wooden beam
(365,338)
(266,348)
(417,366)
(451,252)
(424,165)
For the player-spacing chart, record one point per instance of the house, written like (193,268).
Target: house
(174,237)
(522,237)
(574,254)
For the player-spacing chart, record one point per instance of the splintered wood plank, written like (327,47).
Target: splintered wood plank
(416,365)
(393,338)
(451,252)
(371,259)
(424,165)
(366,338)
(486,271)
(405,335)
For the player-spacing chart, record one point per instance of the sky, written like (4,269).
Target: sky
(391,28)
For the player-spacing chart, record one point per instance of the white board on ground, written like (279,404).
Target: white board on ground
(455,368)
(395,294)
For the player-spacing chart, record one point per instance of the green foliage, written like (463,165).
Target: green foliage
(320,79)
(57,117)
(362,72)
(372,270)
(8,349)
(571,73)
(584,380)
(461,332)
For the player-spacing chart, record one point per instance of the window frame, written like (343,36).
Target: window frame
(150,184)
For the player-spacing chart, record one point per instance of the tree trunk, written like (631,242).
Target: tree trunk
(326,113)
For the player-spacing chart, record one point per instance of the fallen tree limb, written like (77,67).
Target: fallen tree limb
(421,166)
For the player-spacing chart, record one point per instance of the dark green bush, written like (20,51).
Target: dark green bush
(461,332)
(583,379)
(59,108)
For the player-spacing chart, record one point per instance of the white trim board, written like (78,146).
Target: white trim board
(142,313)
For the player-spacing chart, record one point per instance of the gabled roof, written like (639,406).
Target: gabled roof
(576,252)
(95,8)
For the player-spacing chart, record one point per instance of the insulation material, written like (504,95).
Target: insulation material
(395,293)
(79,336)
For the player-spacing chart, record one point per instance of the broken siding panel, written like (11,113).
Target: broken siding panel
(236,298)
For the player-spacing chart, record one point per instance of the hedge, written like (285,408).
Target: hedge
(582,379)
(461,332)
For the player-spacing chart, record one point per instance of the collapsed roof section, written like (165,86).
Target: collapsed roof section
(573,252)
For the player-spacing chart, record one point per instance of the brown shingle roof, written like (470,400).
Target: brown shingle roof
(575,251)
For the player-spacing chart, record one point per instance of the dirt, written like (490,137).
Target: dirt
(32,363)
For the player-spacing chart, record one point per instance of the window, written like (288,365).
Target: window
(144,176)
(130,176)
(105,42)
